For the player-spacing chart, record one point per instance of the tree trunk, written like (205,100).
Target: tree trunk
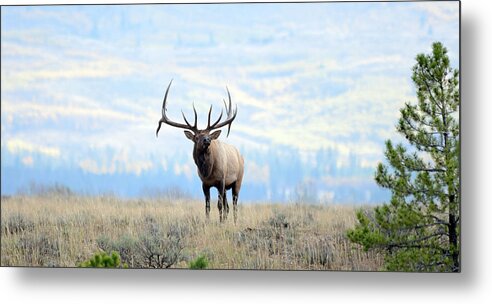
(453,235)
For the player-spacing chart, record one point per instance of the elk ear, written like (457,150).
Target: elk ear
(215,135)
(190,136)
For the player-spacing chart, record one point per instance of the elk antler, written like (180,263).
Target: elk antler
(166,120)
(231,115)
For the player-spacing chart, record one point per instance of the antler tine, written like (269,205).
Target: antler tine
(218,119)
(225,105)
(209,113)
(186,120)
(165,99)
(231,115)
(158,128)
(166,120)
(196,116)
(229,128)
(230,101)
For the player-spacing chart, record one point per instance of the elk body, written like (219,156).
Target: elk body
(219,165)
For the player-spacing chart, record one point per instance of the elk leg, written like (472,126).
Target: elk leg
(206,192)
(225,205)
(219,206)
(234,207)
(235,195)
(220,203)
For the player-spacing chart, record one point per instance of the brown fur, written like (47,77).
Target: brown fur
(223,163)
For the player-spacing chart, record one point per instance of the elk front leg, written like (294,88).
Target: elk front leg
(220,202)
(206,192)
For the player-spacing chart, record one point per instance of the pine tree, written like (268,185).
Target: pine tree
(419,230)
(103,260)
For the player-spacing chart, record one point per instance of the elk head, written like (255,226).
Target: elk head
(201,138)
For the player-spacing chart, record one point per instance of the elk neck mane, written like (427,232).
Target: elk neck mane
(204,159)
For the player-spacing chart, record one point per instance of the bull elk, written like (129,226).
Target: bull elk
(219,165)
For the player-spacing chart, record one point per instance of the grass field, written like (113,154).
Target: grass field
(65,230)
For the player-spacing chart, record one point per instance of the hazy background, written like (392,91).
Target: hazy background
(318,88)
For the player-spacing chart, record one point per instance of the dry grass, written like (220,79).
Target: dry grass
(66,230)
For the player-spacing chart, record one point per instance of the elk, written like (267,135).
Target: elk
(219,165)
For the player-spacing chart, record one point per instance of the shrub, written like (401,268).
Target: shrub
(103,260)
(17,223)
(39,249)
(315,250)
(126,246)
(161,248)
(199,263)
(155,247)
(278,221)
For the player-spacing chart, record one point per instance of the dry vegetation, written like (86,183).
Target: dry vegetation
(64,230)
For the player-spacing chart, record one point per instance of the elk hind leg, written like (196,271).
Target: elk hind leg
(235,195)
(225,205)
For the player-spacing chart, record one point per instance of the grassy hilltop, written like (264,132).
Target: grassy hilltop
(65,230)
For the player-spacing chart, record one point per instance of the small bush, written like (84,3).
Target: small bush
(39,249)
(159,247)
(278,221)
(316,250)
(17,223)
(126,246)
(103,260)
(199,263)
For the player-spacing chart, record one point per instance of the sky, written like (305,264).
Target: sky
(82,89)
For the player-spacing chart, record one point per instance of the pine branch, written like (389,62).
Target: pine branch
(440,221)
(428,170)
(429,90)
(422,226)
(412,243)
(419,130)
